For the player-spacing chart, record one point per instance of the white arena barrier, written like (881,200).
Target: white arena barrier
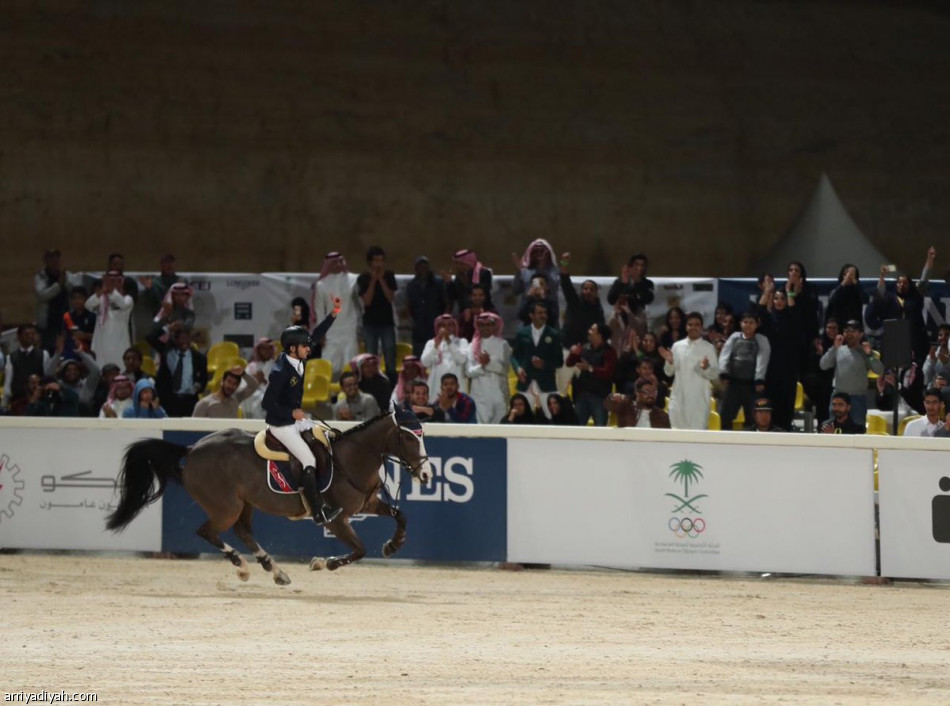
(626,498)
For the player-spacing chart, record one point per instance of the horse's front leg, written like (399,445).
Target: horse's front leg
(375,506)
(342,530)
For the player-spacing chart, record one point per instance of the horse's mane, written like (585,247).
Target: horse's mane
(362,425)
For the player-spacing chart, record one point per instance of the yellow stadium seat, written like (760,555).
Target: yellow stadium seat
(738,424)
(715,421)
(904,422)
(799,397)
(871,374)
(512,383)
(148,366)
(316,389)
(323,367)
(402,350)
(223,351)
(877,425)
(144,347)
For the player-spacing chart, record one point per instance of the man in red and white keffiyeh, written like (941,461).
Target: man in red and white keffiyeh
(538,260)
(470,272)
(487,369)
(446,353)
(262,362)
(119,398)
(177,305)
(412,370)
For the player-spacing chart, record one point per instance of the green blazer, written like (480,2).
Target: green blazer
(549,350)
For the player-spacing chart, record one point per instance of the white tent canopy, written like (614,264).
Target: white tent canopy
(824,238)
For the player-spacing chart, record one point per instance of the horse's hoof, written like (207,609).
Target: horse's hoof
(281,578)
(388,549)
(243,574)
(318,563)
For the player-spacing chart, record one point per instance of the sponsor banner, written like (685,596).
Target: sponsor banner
(459,516)
(691,506)
(914,497)
(58,486)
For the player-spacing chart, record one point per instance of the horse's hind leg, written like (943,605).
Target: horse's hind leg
(209,533)
(343,531)
(376,506)
(242,528)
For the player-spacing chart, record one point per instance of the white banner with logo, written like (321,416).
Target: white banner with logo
(57,487)
(691,506)
(914,496)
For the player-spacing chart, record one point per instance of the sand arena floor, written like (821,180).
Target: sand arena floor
(138,630)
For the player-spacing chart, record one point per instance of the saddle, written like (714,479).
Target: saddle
(268,446)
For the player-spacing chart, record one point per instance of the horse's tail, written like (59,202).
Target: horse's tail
(145,462)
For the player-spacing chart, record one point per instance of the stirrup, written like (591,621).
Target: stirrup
(328,514)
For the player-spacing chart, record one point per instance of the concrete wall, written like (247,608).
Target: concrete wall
(256,136)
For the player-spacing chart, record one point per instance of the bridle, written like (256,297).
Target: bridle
(400,451)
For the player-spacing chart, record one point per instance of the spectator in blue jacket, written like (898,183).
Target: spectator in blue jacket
(145,403)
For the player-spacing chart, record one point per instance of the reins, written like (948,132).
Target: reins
(396,458)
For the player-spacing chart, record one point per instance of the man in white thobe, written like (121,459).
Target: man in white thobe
(113,310)
(335,282)
(488,361)
(446,353)
(695,364)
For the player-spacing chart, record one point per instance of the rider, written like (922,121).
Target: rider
(288,422)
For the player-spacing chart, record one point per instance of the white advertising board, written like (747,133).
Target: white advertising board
(793,509)
(58,486)
(914,496)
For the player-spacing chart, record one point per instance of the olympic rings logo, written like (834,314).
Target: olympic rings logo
(687,526)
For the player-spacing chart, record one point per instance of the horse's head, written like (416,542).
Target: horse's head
(410,447)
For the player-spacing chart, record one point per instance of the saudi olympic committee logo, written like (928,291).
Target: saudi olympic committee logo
(10,487)
(684,522)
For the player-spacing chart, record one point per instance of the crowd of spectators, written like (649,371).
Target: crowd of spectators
(573,365)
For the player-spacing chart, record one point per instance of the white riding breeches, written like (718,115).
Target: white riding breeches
(289,436)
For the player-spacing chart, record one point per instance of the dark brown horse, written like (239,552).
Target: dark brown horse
(225,476)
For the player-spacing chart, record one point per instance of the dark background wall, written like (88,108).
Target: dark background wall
(256,136)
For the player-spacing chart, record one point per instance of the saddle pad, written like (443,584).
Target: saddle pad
(279,477)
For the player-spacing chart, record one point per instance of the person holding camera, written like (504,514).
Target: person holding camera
(846,301)
(851,357)
(51,399)
(538,261)
(636,291)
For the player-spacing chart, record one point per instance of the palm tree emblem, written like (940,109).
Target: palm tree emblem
(686,472)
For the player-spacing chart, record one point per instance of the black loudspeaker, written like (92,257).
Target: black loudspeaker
(896,351)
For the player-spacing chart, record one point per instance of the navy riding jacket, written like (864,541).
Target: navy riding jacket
(284,391)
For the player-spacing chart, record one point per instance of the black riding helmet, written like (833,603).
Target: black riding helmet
(294,336)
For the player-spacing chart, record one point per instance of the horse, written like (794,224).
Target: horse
(225,475)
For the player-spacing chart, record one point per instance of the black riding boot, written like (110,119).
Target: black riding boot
(319,508)
(324,477)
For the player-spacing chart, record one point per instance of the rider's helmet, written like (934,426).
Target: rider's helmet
(294,336)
